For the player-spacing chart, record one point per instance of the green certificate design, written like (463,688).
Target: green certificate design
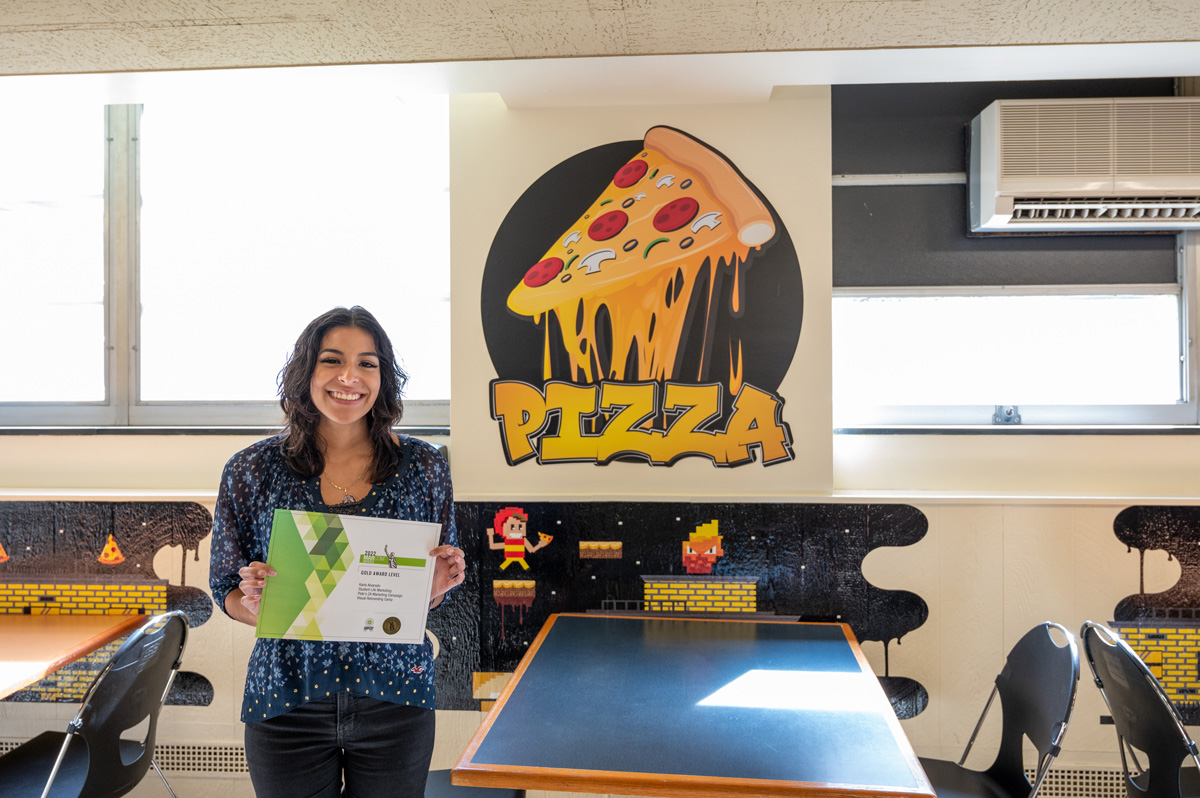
(347,578)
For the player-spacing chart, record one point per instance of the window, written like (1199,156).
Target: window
(230,225)
(931,327)
(52,256)
(1069,356)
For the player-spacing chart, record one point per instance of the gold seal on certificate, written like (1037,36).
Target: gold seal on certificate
(337,574)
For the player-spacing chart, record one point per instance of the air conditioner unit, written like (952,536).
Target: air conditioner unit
(1098,164)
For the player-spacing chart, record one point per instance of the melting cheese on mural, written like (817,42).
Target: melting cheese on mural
(621,282)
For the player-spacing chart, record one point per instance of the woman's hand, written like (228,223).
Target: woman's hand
(254,578)
(449,570)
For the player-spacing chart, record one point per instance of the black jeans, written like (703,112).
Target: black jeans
(378,748)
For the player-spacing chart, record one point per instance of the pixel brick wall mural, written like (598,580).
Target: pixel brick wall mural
(786,561)
(1164,628)
(98,558)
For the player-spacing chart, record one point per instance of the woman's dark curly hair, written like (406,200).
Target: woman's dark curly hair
(301,445)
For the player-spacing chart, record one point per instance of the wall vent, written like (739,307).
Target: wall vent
(197,758)
(1081,783)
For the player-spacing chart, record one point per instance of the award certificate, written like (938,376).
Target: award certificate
(346,578)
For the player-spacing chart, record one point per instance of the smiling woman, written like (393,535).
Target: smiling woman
(341,393)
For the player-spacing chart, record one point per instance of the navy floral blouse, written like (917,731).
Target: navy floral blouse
(283,674)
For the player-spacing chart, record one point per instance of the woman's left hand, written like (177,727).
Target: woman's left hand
(449,570)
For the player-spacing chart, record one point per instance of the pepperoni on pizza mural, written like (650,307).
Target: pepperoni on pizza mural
(543,272)
(630,173)
(675,214)
(676,228)
(608,225)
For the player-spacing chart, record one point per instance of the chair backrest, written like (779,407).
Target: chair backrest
(1142,713)
(130,688)
(1037,695)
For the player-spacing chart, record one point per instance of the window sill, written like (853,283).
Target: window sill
(1021,429)
(259,431)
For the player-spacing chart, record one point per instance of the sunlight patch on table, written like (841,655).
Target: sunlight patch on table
(816,691)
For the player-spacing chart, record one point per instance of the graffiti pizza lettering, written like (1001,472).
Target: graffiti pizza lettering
(649,421)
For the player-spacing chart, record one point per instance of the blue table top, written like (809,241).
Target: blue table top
(701,699)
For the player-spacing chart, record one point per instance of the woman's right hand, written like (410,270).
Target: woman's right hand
(254,578)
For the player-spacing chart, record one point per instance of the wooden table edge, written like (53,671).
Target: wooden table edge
(893,722)
(669,785)
(127,624)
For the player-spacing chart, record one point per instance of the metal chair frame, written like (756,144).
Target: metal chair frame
(1060,728)
(78,724)
(1108,637)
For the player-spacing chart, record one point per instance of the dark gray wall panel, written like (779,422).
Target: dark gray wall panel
(909,128)
(916,235)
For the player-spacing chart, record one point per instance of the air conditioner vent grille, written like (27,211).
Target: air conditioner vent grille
(1111,138)
(1157,138)
(1115,210)
(1046,139)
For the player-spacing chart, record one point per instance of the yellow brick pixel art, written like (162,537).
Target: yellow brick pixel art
(699,593)
(50,598)
(1171,653)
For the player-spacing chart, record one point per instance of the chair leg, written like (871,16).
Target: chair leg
(161,776)
(62,753)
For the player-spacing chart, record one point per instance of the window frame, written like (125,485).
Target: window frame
(1186,412)
(122,406)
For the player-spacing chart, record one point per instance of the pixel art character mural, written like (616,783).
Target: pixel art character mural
(702,549)
(509,525)
(642,301)
(788,561)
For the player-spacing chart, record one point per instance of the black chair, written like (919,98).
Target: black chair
(1037,695)
(1144,717)
(129,690)
(438,786)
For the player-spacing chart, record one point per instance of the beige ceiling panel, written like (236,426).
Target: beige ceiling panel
(40,52)
(245,45)
(518,8)
(1086,21)
(564,34)
(863,24)
(428,30)
(37,14)
(701,26)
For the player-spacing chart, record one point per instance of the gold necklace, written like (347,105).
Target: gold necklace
(347,498)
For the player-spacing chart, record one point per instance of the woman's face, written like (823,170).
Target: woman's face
(345,382)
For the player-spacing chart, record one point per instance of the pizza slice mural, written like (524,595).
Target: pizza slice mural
(623,316)
(637,253)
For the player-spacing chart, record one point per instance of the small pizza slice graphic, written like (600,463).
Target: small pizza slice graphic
(622,278)
(112,553)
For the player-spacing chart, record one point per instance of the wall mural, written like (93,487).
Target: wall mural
(1164,628)
(642,301)
(784,561)
(88,557)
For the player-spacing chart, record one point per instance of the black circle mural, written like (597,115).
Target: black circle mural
(742,315)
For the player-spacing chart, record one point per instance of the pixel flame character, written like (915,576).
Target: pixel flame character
(510,526)
(702,549)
